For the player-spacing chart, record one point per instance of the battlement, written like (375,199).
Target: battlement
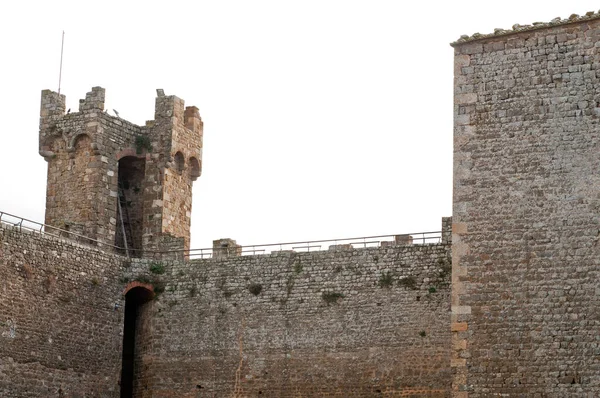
(97,160)
(94,100)
(320,324)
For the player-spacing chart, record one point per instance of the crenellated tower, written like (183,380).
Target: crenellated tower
(117,182)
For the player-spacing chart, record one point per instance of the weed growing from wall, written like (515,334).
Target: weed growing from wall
(386,280)
(142,142)
(331,297)
(157,268)
(408,282)
(255,288)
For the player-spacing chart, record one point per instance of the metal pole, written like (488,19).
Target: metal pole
(122,223)
(62,45)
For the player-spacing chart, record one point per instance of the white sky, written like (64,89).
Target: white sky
(322,119)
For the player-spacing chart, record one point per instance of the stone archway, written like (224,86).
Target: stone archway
(136,295)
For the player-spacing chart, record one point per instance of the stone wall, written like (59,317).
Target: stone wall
(526,255)
(61,318)
(344,322)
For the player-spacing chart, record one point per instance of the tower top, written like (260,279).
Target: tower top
(118,182)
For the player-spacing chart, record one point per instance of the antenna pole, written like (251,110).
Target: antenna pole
(62,45)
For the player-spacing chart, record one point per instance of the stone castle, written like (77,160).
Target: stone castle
(104,300)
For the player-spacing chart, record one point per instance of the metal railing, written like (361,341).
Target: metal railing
(44,229)
(417,238)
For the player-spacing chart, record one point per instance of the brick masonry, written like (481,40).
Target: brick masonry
(526,255)
(338,323)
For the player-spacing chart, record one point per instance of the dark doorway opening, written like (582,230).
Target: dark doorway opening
(134,299)
(130,205)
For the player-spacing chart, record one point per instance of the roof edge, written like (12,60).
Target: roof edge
(516,28)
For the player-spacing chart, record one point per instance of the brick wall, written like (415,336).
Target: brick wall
(525,297)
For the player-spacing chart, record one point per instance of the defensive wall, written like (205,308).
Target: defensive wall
(343,322)
(76,320)
(526,251)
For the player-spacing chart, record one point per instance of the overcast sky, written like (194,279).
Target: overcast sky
(322,119)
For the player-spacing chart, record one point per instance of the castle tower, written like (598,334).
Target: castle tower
(116,182)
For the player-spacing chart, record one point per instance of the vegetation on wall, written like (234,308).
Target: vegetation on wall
(142,142)
(386,280)
(331,297)
(255,288)
(157,268)
(408,282)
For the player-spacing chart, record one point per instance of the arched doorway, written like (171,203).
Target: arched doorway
(137,294)
(130,204)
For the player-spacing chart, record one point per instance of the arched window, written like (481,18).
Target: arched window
(195,168)
(179,162)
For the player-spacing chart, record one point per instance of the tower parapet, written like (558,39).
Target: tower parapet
(117,182)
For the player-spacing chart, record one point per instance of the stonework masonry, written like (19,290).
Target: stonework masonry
(96,160)
(526,214)
(507,304)
(339,323)
(61,318)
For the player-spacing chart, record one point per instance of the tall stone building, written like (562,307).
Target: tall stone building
(526,249)
(125,185)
